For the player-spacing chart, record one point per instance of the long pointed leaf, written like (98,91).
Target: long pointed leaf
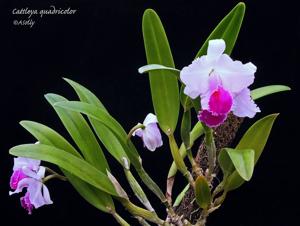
(84,94)
(268,90)
(103,117)
(81,133)
(164,85)
(108,139)
(87,96)
(228,29)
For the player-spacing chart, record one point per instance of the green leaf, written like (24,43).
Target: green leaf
(81,133)
(106,119)
(268,90)
(163,84)
(186,128)
(202,192)
(181,196)
(96,197)
(228,30)
(225,163)
(155,67)
(48,136)
(137,189)
(109,140)
(255,138)
(147,180)
(243,161)
(67,161)
(84,94)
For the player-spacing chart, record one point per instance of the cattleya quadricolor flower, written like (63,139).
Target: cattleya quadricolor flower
(27,173)
(150,133)
(221,83)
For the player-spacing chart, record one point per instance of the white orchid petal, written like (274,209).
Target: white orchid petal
(243,105)
(150,118)
(215,48)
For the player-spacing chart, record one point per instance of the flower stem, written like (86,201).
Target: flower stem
(202,219)
(196,132)
(211,150)
(218,189)
(195,167)
(220,199)
(49,177)
(179,160)
(51,171)
(53,175)
(138,126)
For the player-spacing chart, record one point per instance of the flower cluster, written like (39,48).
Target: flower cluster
(27,173)
(221,83)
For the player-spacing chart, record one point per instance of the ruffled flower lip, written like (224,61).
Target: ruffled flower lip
(220,101)
(26,204)
(210,119)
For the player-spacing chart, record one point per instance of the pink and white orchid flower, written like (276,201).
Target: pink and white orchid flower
(150,134)
(27,173)
(221,83)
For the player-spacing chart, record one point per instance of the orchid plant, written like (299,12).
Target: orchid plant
(214,91)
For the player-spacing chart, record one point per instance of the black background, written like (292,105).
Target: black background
(101,47)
